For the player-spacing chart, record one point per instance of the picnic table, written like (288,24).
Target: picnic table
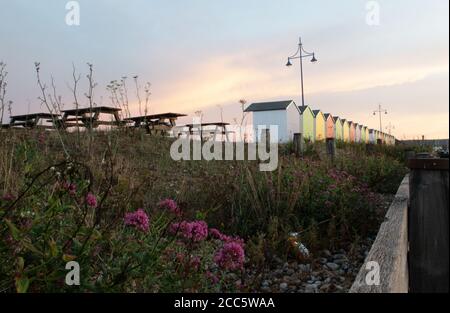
(31,120)
(155,123)
(220,128)
(89,117)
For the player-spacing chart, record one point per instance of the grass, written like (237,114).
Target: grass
(327,202)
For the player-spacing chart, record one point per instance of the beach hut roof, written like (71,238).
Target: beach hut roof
(304,108)
(268,106)
(316,112)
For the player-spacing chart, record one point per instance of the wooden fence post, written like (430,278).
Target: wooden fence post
(298,144)
(428,225)
(331,147)
(265,137)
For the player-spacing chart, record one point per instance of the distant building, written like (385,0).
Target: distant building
(284,114)
(352,131)
(367,136)
(329,126)
(346,130)
(307,123)
(372,136)
(358,135)
(338,129)
(319,125)
(363,133)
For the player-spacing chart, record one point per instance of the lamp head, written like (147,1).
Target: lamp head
(289,62)
(313,60)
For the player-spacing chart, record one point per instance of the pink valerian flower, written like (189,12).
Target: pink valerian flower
(195,262)
(41,138)
(195,231)
(212,277)
(70,187)
(215,233)
(231,256)
(179,257)
(170,205)
(8,197)
(91,200)
(138,219)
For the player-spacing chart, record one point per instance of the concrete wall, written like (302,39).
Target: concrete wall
(390,250)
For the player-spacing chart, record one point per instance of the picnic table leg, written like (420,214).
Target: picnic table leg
(215,133)
(226,133)
(117,118)
(95,119)
(64,119)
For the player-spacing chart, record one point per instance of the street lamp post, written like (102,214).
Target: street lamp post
(300,54)
(379,111)
(389,128)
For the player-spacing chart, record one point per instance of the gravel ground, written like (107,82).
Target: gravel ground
(327,272)
(330,272)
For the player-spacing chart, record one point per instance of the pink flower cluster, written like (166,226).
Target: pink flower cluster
(170,205)
(70,187)
(231,256)
(138,219)
(41,138)
(195,231)
(215,233)
(91,200)
(8,197)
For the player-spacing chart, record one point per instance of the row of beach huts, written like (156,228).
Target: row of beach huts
(314,125)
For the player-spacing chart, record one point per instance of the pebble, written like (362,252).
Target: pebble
(311,287)
(332,266)
(329,272)
(283,286)
(325,287)
(323,260)
(339,256)
(290,271)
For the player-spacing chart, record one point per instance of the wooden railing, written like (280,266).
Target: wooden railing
(388,256)
(411,251)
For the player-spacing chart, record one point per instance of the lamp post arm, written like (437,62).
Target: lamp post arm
(294,56)
(306,53)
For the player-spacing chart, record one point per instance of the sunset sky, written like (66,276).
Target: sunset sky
(204,54)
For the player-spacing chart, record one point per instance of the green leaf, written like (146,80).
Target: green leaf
(20,264)
(31,247)
(22,284)
(68,257)
(15,232)
(53,248)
